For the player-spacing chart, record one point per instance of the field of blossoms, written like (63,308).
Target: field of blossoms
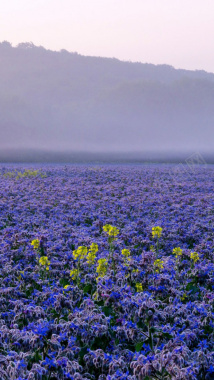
(106,272)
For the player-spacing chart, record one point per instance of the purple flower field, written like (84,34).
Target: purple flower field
(138,304)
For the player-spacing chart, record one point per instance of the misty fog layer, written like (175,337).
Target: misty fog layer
(61,100)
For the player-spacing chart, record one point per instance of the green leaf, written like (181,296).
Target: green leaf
(87,288)
(82,352)
(107,311)
(153,329)
(141,324)
(100,303)
(64,281)
(100,343)
(167,335)
(35,358)
(138,346)
(29,291)
(191,287)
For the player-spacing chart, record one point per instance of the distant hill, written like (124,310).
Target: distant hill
(63,101)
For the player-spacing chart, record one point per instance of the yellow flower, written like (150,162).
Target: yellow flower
(114,231)
(184,296)
(93,247)
(44,261)
(66,287)
(91,258)
(95,295)
(107,228)
(158,265)
(156,231)
(101,268)
(135,271)
(92,253)
(35,243)
(74,274)
(125,253)
(177,252)
(21,274)
(194,256)
(139,287)
(126,256)
(80,252)
(111,230)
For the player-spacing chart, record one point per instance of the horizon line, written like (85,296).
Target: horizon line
(103,57)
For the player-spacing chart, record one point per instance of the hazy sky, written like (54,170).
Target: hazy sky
(176,32)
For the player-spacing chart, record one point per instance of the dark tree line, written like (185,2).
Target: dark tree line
(61,100)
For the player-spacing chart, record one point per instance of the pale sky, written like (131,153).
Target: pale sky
(175,32)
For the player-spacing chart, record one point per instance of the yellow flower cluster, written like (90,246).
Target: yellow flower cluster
(135,271)
(177,252)
(22,272)
(158,265)
(111,230)
(194,256)
(101,268)
(35,243)
(126,256)
(66,287)
(92,253)
(27,173)
(139,287)
(74,274)
(156,231)
(126,253)
(80,252)
(184,296)
(44,261)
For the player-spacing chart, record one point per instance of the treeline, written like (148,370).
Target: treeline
(65,101)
